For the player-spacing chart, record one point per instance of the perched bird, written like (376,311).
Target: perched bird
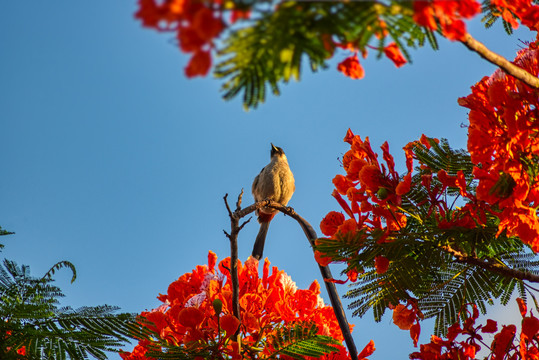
(275,182)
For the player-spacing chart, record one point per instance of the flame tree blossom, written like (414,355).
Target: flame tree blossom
(423,236)
(504,147)
(196,313)
(195,23)
(505,345)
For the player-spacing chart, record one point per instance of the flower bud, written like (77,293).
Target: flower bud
(217,306)
(382,193)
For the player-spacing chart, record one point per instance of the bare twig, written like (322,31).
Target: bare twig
(233,237)
(500,61)
(324,270)
(491,265)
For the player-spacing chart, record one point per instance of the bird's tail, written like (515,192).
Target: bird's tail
(258,248)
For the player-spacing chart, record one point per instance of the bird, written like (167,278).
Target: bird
(275,182)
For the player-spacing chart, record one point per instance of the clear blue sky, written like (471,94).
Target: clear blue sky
(113,160)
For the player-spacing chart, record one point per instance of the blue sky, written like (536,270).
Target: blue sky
(113,160)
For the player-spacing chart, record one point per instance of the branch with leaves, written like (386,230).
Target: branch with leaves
(260,45)
(32,324)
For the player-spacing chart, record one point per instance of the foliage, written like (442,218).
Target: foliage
(502,347)
(461,228)
(277,319)
(34,326)
(2,233)
(262,44)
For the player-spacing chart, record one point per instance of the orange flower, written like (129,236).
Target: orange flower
(188,317)
(490,327)
(206,25)
(522,307)
(370,176)
(403,317)
(415,330)
(393,52)
(352,275)
(331,222)
(530,327)
(321,258)
(229,323)
(502,341)
(447,13)
(342,184)
(368,350)
(351,67)
(404,186)
(348,227)
(189,39)
(381,263)
(199,65)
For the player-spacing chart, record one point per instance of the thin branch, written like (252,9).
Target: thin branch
(500,61)
(233,237)
(490,265)
(324,270)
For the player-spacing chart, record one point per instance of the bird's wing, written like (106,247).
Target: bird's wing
(255,188)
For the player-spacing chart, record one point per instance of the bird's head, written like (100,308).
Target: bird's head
(276,151)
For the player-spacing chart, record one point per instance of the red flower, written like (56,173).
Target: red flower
(368,350)
(490,327)
(393,52)
(331,222)
(502,341)
(403,317)
(229,323)
(415,330)
(447,13)
(199,65)
(351,67)
(190,317)
(370,176)
(522,307)
(189,320)
(381,263)
(530,327)
(342,184)
(321,258)
(206,25)
(404,186)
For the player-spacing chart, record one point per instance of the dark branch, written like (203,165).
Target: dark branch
(324,270)
(491,265)
(233,237)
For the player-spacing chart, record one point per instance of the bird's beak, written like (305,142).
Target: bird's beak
(273,147)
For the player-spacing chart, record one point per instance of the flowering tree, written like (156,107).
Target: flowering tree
(34,326)
(262,43)
(277,319)
(458,229)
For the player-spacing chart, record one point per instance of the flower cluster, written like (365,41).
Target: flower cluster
(503,144)
(189,317)
(196,24)
(10,351)
(448,14)
(525,11)
(407,317)
(351,67)
(503,346)
(374,191)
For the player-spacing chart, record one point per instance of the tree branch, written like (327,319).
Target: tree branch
(491,265)
(500,61)
(324,270)
(233,237)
